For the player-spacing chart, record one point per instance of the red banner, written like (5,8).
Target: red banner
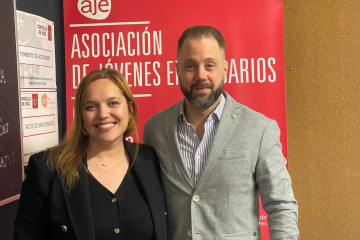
(139,38)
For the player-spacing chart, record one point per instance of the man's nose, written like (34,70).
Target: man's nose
(202,73)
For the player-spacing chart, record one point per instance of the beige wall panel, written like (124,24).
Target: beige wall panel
(322,70)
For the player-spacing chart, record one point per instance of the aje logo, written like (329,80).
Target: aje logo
(95,9)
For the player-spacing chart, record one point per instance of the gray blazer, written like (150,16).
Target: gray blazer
(245,160)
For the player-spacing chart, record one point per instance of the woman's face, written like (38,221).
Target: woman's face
(105,113)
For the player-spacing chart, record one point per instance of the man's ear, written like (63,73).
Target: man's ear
(177,65)
(226,67)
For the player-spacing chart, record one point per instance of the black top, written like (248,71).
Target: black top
(124,215)
(46,211)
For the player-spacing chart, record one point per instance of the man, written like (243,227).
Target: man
(217,155)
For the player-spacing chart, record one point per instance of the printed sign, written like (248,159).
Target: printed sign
(38,83)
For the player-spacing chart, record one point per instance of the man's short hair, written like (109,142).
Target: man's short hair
(199,31)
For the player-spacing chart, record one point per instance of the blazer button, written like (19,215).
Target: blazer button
(64,228)
(189,233)
(196,198)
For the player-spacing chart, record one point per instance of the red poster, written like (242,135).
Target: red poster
(139,38)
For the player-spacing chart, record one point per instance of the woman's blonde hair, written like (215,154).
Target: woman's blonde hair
(66,158)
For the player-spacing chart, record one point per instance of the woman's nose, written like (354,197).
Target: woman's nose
(104,112)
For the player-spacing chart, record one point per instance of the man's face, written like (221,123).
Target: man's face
(201,68)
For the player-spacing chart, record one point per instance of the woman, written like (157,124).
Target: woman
(95,184)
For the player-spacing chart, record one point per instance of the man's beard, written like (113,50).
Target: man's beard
(198,99)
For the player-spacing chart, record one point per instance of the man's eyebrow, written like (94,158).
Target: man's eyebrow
(210,59)
(193,60)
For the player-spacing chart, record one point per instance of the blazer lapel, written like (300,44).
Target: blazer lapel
(171,121)
(78,203)
(229,118)
(151,188)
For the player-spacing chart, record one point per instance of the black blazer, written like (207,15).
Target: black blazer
(47,212)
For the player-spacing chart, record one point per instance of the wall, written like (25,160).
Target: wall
(52,10)
(322,55)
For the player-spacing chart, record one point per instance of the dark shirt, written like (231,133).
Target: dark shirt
(124,215)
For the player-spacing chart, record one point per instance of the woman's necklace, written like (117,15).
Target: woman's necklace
(106,164)
(101,162)
(109,164)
